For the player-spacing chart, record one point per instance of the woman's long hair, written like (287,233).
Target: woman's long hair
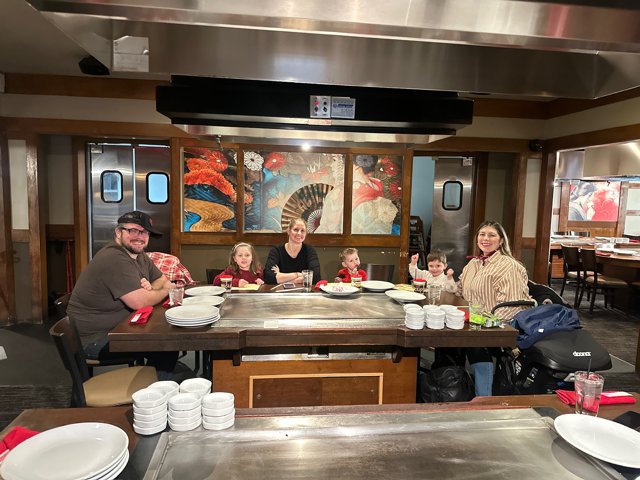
(504,247)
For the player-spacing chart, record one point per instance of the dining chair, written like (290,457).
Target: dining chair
(572,269)
(106,389)
(212,273)
(605,283)
(379,271)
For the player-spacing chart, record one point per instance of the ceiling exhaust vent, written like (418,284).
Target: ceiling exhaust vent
(258,105)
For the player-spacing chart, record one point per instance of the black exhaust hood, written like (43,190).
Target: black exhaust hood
(281,105)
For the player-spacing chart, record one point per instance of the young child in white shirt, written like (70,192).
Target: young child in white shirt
(436,264)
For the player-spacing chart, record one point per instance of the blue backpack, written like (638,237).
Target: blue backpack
(538,322)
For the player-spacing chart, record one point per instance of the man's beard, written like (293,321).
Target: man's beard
(130,249)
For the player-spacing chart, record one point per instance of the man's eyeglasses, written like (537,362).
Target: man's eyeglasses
(134,232)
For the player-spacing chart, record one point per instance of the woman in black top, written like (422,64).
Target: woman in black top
(286,262)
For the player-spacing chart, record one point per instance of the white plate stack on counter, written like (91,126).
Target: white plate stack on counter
(454,319)
(413,316)
(185,412)
(149,411)
(196,315)
(218,410)
(435,318)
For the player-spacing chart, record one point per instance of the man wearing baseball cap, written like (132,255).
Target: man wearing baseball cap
(119,280)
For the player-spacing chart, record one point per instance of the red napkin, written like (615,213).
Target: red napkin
(601,254)
(319,284)
(141,316)
(466,313)
(165,304)
(15,437)
(607,398)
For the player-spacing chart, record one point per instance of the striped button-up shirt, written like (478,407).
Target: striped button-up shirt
(498,279)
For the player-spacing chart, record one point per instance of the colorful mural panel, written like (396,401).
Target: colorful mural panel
(377,194)
(594,201)
(210,190)
(288,185)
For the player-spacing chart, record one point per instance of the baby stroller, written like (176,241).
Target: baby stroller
(549,364)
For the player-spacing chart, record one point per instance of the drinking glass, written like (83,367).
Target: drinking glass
(419,284)
(434,294)
(356,281)
(307,279)
(588,386)
(176,294)
(225,281)
(476,317)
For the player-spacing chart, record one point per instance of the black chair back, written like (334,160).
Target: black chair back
(571,259)
(67,340)
(378,271)
(589,263)
(212,273)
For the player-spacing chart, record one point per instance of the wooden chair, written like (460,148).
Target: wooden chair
(61,312)
(592,283)
(378,271)
(104,390)
(572,269)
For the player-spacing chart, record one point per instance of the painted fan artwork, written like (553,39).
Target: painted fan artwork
(289,185)
(210,189)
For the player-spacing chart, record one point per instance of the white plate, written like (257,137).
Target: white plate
(339,289)
(214,300)
(600,438)
(76,451)
(193,323)
(205,290)
(115,470)
(403,296)
(192,312)
(377,285)
(624,251)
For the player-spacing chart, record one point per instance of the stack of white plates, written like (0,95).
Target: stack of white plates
(435,319)
(192,315)
(205,290)
(218,410)
(455,319)
(214,300)
(197,386)
(79,451)
(149,411)
(185,412)
(402,296)
(413,316)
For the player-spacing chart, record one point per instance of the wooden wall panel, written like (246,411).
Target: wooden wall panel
(545,202)
(7,285)
(80,213)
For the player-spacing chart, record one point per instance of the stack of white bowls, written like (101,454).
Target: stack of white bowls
(218,411)
(435,319)
(185,412)
(455,319)
(169,387)
(197,386)
(413,316)
(431,308)
(449,308)
(149,411)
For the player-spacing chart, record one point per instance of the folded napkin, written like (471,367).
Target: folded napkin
(320,284)
(603,254)
(607,398)
(15,437)
(167,303)
(247,287)
(141,315)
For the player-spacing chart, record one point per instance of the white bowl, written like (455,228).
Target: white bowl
(216,412)
(169,387)
(149,398)
(219,419)
(149,418)
(186,413)
(149,411)
(185,428)
(152,424)
(218,400)
(200,386)
(218,426)
(149,431)
(411,306)
(455,325)
(184,401)
(449,308)
(183,420)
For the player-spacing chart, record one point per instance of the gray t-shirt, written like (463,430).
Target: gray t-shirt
(95,303)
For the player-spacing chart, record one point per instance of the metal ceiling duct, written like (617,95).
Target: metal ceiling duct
(333,112)
(573,48)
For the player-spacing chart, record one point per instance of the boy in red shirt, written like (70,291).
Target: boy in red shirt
(351,264)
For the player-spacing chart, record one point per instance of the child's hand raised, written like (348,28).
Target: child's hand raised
(450,273)
(414,259)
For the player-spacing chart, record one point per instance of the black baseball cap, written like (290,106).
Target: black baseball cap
(140,218)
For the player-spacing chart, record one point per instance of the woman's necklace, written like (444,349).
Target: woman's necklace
(291,250)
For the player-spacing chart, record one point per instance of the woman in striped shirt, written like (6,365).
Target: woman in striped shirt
(490,278)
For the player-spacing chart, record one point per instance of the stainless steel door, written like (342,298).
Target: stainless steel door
(452,207)
(122,179)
